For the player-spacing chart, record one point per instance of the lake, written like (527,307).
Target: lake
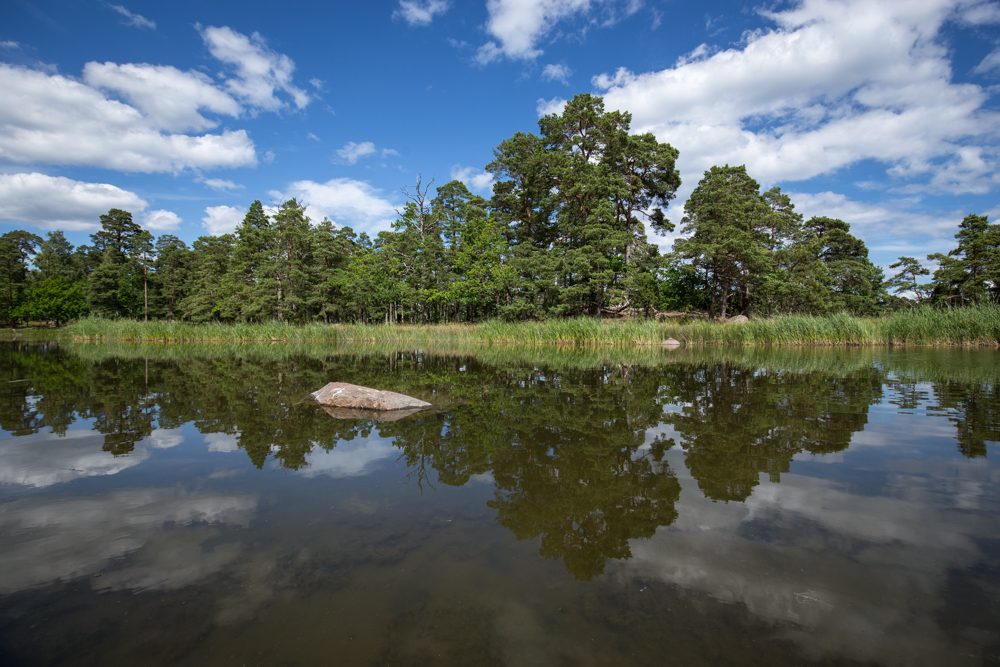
(191,504)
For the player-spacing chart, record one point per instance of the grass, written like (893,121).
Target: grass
(971,326)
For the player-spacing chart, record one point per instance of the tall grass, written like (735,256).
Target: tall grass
(971,326)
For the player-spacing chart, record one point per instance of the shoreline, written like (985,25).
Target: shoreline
(977,326)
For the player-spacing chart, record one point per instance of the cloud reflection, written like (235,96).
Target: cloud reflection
(349,458)
(57,539)
(860,576)
(44,459)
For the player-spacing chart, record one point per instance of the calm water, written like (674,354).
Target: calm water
(192,505)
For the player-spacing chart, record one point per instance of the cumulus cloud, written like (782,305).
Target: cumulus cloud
(834,82)
(54,119)
(138,20)
(57,202)
(352,152)
(161,221)
(474,179)
(345,201)
(420,12)
(167,96)
(548,107)
(560,73)
(260,71)
(518,26)
(220,220)
(871,220)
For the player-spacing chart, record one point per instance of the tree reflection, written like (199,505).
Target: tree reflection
(570,451)
(566,455)
(738,422)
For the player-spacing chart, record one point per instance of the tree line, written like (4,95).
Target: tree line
(564,234)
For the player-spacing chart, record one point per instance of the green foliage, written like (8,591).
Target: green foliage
(571,202)
(971,272)
(16,249)
(54,299)
(564,235)
(908,278)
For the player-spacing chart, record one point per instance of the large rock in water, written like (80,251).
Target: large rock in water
(351,396)
(377,415)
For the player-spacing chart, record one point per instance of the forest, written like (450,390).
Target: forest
(565,234)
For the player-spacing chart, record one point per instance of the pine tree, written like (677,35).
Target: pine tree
(16,250)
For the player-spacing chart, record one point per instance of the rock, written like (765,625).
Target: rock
(739,319)
(670,342)
(377,415)
(344,395)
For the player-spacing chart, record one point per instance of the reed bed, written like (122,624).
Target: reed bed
(971,326)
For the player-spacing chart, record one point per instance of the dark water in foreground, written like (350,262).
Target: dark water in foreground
(192,505)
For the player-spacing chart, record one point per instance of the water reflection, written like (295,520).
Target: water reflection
(833,505)
(737,422)
(566,448)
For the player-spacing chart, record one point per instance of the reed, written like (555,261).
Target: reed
(971,326)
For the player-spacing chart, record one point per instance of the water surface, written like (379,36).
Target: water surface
(192,505)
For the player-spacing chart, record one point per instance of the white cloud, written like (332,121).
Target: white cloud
(168,97)
(386,152)
(979,13)
(221,184)
(834,83)
(260,71)
(548,107)
(420,12)
(868,220)
(474,179)
(345,201)
(137,20)
(161,221)
(312,137)
(352,152)
(9,45)
(53,119)
(318,84)
(519,25)
(220,220)
(559,73)
(990,62)
(57,202)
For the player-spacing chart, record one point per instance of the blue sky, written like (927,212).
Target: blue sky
(882,113)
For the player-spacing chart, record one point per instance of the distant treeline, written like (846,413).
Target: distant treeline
(564,234)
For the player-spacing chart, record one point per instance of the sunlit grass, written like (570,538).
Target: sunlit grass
(974,326)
